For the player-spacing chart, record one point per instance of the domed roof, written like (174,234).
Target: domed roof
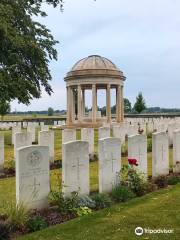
(94,65)
(94,62)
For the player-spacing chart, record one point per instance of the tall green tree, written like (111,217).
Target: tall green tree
(140,103)
(26,48)
(50,111)
(127,106)
(4,108)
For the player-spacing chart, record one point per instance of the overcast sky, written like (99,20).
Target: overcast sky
(141,37)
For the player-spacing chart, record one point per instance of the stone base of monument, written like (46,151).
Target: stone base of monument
(81,125)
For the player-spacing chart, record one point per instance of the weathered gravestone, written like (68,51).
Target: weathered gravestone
(119,132)
(32,129)
(44,128)
(160,154)
(46,138)
(32,176)
(75,168)
(137,149)
(87,134)
(21,139)
(171,129)
(15,129)
(68,135)
(109,163)
(104,132)
(176,151)
(1,151)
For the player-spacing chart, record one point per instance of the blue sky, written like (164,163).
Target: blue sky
(141,37)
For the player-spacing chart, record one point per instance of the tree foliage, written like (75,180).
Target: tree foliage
(50,111)
(140,104)
(127,106)
(4,108)
(26,48)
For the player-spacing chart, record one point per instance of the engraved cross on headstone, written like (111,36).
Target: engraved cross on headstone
(34,187)
(77,165)
(115,180)
(113,160)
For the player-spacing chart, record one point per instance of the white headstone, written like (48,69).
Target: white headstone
(119,132)
(131,130)
(24,124)
(44,128)
(109,163)
(1,151)
(21,139)
(68,135)
(15,129)
(75,168)
(32,176)
(176,151)
(160,154)
(137,149)
(104,132)
(46,138)
(32,129)
(87,134)
(171,128)
(150,128)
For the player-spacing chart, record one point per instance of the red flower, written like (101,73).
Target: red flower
(140,131)
(132,161)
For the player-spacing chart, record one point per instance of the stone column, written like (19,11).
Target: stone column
(122,105)
(79,104)
(73,105)
(69,109)
(108,103)
(118,104)
(94,103)
(83,102)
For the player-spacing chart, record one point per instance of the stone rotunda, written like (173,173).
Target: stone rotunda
(93,73)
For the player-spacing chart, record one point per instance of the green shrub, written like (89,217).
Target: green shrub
(102,200)
(82,211)
(122,193)
(65,205)
(134,179)
(85,201)
(172,180)
(161,181)
(17,216)
(4,231)
(36,224)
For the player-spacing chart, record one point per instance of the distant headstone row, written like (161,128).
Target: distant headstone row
(7,125)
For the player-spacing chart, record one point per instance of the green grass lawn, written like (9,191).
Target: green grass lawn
(160,209)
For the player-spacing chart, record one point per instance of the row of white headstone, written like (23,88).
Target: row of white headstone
(8,125)
(46,138)
(32,165)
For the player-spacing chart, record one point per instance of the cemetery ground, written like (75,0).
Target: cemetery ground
(158,205)
(154,210)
